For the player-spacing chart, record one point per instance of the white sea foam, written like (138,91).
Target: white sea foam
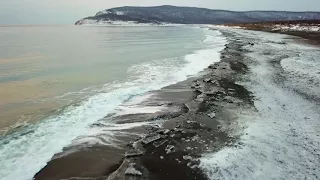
(141,109)
(24,153)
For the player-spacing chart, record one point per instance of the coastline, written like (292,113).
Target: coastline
(280,27)
(207,121)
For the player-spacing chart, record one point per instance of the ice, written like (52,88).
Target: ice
(282,140)
(133,172)
(151,139)
(298,27)
(212,115)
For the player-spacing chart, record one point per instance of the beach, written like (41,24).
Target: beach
(96,89)
(190,130)
(207,131)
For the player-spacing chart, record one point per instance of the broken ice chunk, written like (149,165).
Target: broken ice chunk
(132,172)
(212,115)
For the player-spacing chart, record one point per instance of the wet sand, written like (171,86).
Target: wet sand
(93,162)
(99,160)
(205,122)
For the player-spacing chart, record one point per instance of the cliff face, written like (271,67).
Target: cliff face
(190,15)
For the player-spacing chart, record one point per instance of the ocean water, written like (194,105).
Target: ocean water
(57,81)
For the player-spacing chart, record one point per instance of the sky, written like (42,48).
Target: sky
(69,11)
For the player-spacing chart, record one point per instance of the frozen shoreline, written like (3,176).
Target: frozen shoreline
(260,129)
(281,140)
(198,126)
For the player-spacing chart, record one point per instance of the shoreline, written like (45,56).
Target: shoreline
(205,123)
(278,27)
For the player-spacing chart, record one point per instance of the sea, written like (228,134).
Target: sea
(56,81)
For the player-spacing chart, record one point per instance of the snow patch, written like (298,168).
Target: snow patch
(296,27)
(94,22)
(282,141)
(110,12)
(133,172)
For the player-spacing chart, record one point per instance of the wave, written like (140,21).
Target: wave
(24,153)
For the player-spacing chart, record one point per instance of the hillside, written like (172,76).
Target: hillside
(190,15)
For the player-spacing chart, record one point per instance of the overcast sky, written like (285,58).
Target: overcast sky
(69,11)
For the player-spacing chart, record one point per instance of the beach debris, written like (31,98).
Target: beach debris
(165,103)
(133,153)
(136,144)
(199,90)
(200,98)
(215,82)
(166,131)
(207,80)
(228,99)
(191,122)
(195,138)
(187,157)
(179,162)
(189,164)
(196,85)
(159,143)
(169,149)
(194,167)
(163,136)
(160,131)
(131,171)
(212,92)
(151,139)
(212,115)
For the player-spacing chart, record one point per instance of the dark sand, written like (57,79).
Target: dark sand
(202,124)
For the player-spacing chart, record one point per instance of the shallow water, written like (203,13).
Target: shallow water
(57,81)
(45,68)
